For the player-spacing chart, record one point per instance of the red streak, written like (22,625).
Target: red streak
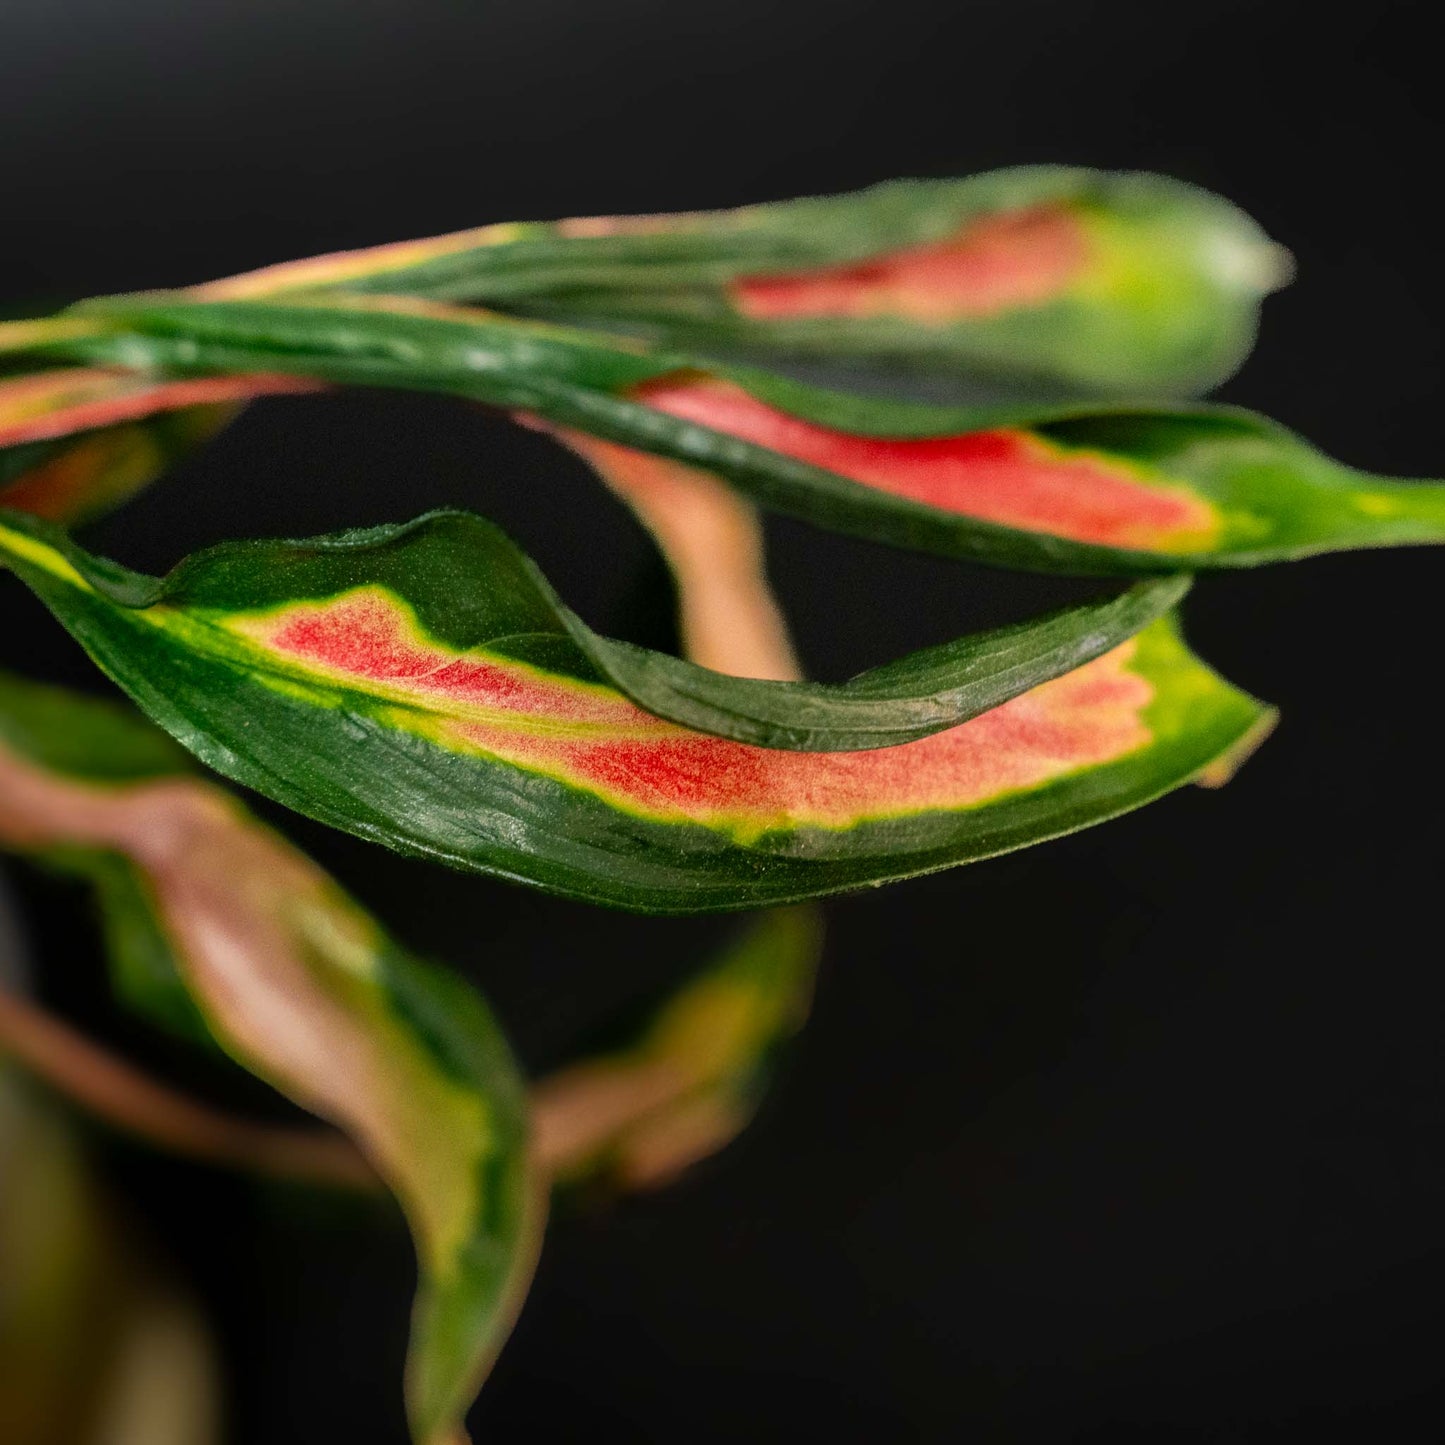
(361,635)
(58,403)
(83,476)
(1020,258)
(597,740)
(1005,476)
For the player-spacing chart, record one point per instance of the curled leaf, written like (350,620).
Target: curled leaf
(359,680)
(686,1081)
(514,619)
(714,547)
(303,989)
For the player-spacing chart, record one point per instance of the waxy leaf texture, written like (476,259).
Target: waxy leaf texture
(353,679)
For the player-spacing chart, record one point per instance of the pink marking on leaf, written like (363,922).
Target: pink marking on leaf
(363,636)
(54,404)
(1019,258)
(336,268)
(713,541)
(1005,475)
(93,472)
(588,228)
(595,739)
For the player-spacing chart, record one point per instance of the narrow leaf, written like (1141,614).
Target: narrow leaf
(519,613)
(700,529)
(1080,487)
(677,1084)
(689,1079)
(18,337)
(41,406)
(358,680)
(712,540)
(303,989)
(80,441)
(1107,281)
(77,479)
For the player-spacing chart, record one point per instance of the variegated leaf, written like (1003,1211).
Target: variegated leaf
(303,989)
(1071,487)
(78,441)
(688,1080)
(1107,281)
(397,684)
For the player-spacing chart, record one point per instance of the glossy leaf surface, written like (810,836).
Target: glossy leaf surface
(710,538)
(1080,488)
(356,683)
(918,695)
(303,988)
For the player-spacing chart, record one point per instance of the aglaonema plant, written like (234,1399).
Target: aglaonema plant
(424,686)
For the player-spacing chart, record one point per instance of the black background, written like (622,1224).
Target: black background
(1135,1136)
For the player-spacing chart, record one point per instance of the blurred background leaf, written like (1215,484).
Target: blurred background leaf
(98,1344)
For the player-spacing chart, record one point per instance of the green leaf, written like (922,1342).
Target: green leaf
(30,333)
(1082,488)
(83,737)
(79,441)
(688,1079)
(302,988)
(107,743)
(1105,281)
(361,680)
(96,1343)
(919,695)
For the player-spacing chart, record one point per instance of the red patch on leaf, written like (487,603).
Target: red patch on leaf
(1019,258)
(96,470)
(595,739)
(361,635)
(1007,476)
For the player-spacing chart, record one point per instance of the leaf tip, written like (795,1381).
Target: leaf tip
(1222,769)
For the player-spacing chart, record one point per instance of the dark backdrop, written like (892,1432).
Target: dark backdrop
(1135,1136)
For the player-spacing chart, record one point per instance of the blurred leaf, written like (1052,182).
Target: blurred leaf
(80,441)
(689,1079)
(96,1346)
(303,989)
(684,1082)
(1107,281)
